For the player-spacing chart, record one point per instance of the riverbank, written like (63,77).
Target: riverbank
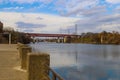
(9,63)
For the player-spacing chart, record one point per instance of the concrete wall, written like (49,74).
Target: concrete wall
(19,47)
(24,53)
(38,66)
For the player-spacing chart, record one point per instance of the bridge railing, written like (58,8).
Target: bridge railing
(53,75)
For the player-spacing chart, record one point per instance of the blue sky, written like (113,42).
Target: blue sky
(54,16)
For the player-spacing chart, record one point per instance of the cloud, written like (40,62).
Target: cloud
(75,6)
(13,8)
(110,27)
(93,14)
(28,31)
(46,1)
(58,24)
(110,19)
(89,15)
(94,11)
(31,1)
(113,1)
(38,22)
(29,25)
(1,1)
(39,18)
(100,23)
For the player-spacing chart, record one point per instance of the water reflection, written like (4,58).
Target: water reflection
(83,61)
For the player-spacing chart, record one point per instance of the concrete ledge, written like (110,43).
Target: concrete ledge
(23,54)
(36,67)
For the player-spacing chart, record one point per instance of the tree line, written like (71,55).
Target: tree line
(103,37)
(15,36)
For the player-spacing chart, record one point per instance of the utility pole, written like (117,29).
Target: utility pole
(76,29)
(9,38)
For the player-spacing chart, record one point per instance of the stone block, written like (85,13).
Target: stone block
(23,54)
(38,66)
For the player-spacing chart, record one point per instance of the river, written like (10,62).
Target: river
(83,61)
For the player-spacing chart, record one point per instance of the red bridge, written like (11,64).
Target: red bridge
(50,35)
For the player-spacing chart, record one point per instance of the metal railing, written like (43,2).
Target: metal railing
(54,75)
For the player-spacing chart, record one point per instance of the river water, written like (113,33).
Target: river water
(83,61)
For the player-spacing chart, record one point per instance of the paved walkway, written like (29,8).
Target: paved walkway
(9,63)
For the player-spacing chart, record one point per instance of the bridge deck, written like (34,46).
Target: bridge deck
(50,35)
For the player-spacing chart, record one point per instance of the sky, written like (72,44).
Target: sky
(61,16)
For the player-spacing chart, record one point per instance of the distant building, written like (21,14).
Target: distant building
(1,27)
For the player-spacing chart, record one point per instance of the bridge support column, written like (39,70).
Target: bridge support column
(58,40)
(62,39)
(67,39)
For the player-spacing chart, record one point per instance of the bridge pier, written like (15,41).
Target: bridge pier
(67,39)
(60,40)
